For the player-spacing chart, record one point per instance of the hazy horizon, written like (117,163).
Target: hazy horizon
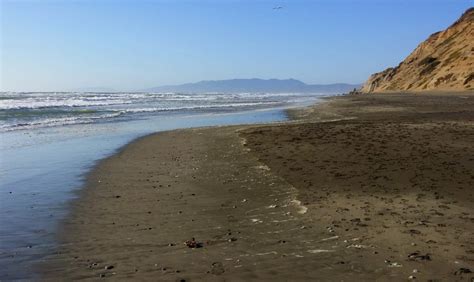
(108,89)
(132,45)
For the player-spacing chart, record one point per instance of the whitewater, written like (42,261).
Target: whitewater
(30,110)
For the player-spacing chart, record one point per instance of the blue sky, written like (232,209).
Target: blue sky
(125,45)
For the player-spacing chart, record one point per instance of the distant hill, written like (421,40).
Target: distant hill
(254,85)
(445,61)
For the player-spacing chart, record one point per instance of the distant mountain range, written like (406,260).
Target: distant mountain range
(255,85)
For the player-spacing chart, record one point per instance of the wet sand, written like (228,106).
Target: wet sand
(357,188)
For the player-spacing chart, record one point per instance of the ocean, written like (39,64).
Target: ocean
(24,111)
(50,140)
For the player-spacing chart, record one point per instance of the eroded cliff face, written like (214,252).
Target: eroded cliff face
(445,61)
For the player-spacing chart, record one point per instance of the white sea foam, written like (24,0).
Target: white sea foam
(41,100)
(32,103)
(231,105)
(317,251)
(27,110)
(49,122)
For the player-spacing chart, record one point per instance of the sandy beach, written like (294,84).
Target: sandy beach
(363,187)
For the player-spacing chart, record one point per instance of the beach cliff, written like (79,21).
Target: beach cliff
(445,61)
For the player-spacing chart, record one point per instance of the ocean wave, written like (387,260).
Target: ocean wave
(41,101)
(51,122)
(94,116)
(29,110)
(197,107)
(32,103)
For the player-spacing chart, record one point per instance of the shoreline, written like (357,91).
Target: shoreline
(274,238)
(23,248)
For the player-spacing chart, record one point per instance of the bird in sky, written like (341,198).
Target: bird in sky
(277,8)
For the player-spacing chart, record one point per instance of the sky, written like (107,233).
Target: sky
(129,45)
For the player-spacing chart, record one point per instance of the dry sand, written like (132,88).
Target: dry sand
(375,187)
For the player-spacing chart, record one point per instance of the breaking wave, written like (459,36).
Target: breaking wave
(29,110)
